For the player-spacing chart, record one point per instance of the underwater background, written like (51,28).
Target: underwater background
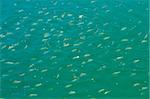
(74,49)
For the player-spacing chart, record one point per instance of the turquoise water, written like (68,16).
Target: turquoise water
(74,49)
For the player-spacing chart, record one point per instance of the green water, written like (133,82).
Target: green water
(74,49)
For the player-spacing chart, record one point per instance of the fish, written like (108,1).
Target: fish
(74,49)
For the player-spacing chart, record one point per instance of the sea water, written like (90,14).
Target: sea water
(74,49)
